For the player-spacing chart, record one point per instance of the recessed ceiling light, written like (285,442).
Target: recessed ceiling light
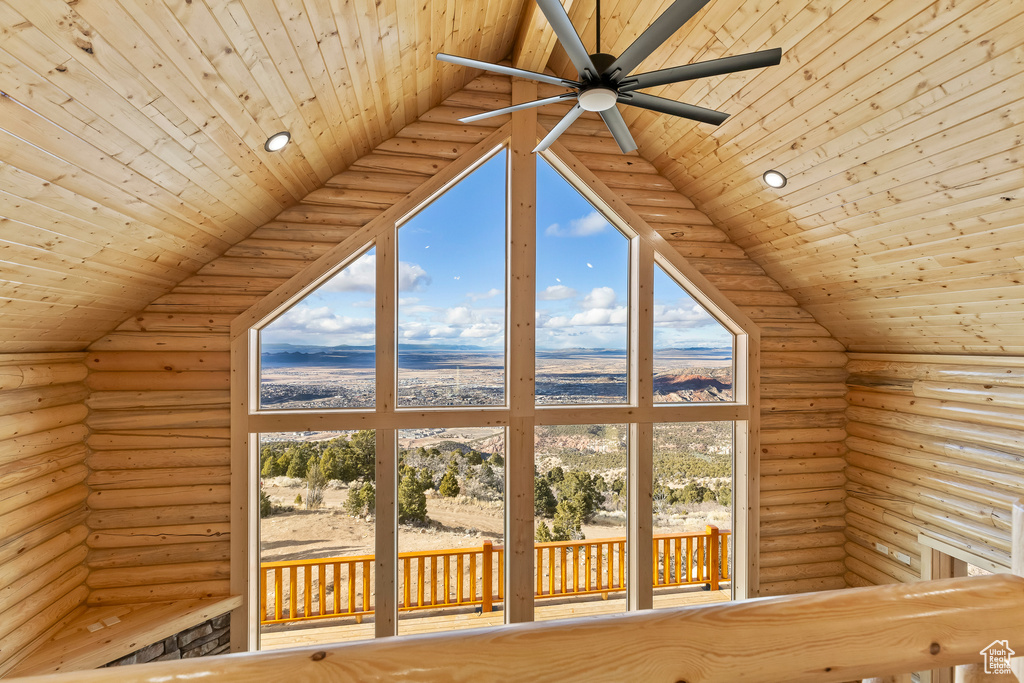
(277,141)
(774,179)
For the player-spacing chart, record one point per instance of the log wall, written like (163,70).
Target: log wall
(936,446)
(159,408)
(42,497)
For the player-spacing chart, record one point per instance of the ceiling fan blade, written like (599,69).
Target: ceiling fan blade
(567,36)
(517,107)
(657,33)
(617,126)
(712,67)
(559,128)
(507,70)
(660,104)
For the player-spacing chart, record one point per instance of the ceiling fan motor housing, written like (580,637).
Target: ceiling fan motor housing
(599,94)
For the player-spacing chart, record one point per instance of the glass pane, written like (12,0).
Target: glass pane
(693,352)
(316,537)
(451,296)
(582,298)
(692,512)
(580,507)
(451,530)
(320,353)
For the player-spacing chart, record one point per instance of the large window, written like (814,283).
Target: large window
(492,415)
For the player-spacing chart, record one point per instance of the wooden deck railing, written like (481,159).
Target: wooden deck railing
(302,590)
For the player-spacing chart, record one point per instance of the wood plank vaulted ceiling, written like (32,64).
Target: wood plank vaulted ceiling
(131,143)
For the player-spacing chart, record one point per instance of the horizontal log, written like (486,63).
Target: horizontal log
(802,541)
(799,451)
(882,563)
(930,462)
(814,570)
(771,513)
(153,439)
(856,580)
(808,404)
(814,525)
(34,398)
(790,436)
(22,471)
(106,480)
(40,627)
(997,416)
(162,515)
(159,536)
(800,556)
(961,486)
(39,580)
(797,586)
(801,496)
(31,560)
(790,638)
(189,590)
(16,545)
(181,341)
(159,381)
(803,481)
(22,611)
(159,458)
(166,418)
(865,528)
(802,466)
(873,576)
(1001,438)
(40,374)
(129,400)
(32,421)
(984,394)
(31,445)
(801,420)
(803,359)
(791,344)
(35,491)
(989,458)
(158,361)
(158,574)
(788,375)
(991,373)
(196,494)
(166,554)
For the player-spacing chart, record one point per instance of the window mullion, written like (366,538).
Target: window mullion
(385,512)
(521,340)
(641,435)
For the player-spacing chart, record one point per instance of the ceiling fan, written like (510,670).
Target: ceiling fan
(605,80)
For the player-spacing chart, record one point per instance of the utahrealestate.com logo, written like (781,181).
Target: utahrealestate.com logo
(997,657)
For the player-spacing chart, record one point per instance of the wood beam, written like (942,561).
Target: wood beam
(535,39)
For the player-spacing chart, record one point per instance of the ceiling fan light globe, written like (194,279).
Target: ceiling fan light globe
(598,99)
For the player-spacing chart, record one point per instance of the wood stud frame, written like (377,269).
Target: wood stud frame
(520,416)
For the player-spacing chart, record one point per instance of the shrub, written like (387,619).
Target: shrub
(543,534)
(298,499)
(449,486)
(361,499)
(544,502)
(412,502)
(266,507)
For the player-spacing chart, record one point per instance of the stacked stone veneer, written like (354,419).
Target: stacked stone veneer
(208,638)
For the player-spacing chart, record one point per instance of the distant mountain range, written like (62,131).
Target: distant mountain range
(281,348)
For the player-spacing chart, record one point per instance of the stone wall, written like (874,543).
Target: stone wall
(208,638)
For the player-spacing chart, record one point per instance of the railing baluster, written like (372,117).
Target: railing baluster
(656,563)
(678,548)
(277,592)
(421,580)
(551,570)
(366,586)
(351,567)
(589,580)
(459,563)
(472,577)
(622,564)
(540,571)
(561,555)
(575,568)
(600,567)
(433,580)
(406,582)
(501,573)
(322,593)
(307,593)
(337,587)
(689,559)
(448,579)
(292,591)
(725,556)
(263,594)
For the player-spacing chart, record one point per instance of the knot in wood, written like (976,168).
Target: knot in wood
(935,648)
(317,656)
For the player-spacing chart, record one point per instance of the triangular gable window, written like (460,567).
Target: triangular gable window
(497,349)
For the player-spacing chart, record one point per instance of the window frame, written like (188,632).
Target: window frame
(520,415)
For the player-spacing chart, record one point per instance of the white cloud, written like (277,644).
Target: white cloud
(690,316)
(599,297)
(590,224)
(460,315)
(411,277)
(594,317)
(320,321)
(489,294)
(557,293)
(361,276)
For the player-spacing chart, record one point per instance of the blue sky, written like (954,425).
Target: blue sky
(452,278)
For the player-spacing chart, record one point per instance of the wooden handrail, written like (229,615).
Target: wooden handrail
(825,637)
(331,587)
